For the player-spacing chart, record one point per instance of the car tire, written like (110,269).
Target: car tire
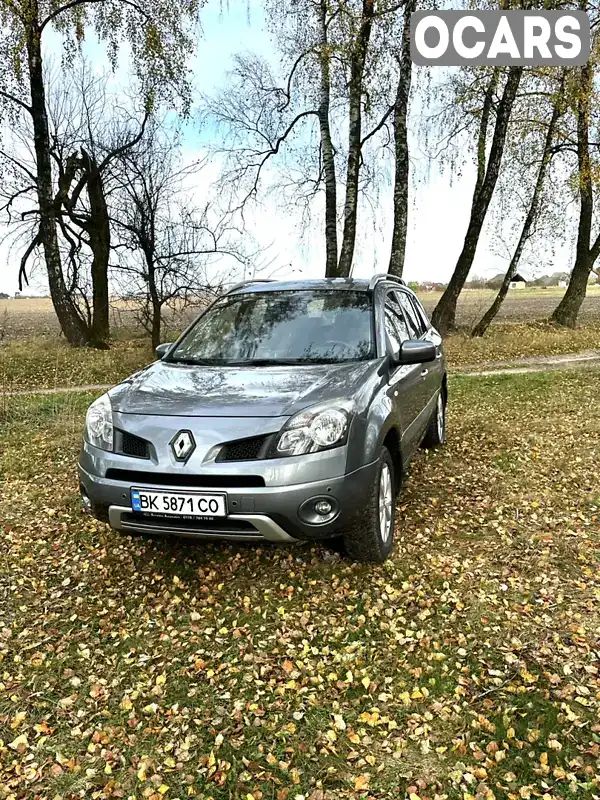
(370,539)
(435,435)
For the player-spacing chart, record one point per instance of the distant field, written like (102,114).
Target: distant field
(521,305)
(28,318)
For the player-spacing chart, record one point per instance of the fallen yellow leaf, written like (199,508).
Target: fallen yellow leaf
(20,743)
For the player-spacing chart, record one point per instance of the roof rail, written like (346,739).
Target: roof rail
(383,276)
(241,284)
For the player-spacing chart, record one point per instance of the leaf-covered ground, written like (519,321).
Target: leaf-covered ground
(466,667)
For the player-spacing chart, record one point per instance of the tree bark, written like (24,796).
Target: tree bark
(71,324)
(530,218)
(98,228)
(401,176)
(155,304)
(357,68)
(484,125)
(567,310)
(156,323)
(331,251)
(444,315)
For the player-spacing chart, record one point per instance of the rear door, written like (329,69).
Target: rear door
(405,382)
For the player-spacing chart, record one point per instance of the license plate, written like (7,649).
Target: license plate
(188,504)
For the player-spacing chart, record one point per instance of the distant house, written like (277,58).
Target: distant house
(518,282)
(556,279)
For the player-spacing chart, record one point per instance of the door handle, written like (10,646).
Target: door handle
(424,373)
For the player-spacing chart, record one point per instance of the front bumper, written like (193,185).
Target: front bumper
(255,513)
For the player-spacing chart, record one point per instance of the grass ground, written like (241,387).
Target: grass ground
(44,363)
(513,341)
(464,668)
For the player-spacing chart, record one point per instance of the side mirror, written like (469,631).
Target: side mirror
(162,349)
(415,352)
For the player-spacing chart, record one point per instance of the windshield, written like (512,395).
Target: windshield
(293,327)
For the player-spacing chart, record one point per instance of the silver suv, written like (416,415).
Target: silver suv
(287,410)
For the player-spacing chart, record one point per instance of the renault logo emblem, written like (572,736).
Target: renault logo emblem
(183,445)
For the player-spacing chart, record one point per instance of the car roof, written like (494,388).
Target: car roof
(337,284)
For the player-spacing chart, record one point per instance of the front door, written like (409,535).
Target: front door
(433,371)
(405,389)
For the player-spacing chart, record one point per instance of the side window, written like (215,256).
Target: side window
(395,324)
(410,314)
(420,313)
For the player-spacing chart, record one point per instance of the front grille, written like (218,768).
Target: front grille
(131,445)
(244,449)
(173,479)
(215,527)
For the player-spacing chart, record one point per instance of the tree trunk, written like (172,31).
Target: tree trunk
(357,68)
(444,315)
(530,218)
(401,175)
(567,310)
(153,298)
(484,124)
(156,323)
(99,232)
(71,324)
(331,253)
(156,306)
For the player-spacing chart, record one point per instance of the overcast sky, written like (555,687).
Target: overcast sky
(439,204)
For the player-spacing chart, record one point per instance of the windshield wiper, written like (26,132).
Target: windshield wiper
(287,362)
(265,362)
(195,362)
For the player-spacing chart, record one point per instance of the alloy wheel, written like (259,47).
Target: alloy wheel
(441,421)
(386,499)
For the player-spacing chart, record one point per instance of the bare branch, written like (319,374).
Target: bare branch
(37,240)
(378,127)
(16,100)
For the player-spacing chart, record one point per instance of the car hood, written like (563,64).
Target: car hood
(183,390)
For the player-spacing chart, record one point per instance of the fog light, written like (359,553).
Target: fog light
(319,510)
(323,507)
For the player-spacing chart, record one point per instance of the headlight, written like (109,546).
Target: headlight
(311,431)
(98,423)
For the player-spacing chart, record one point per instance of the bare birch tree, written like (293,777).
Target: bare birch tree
(160,36)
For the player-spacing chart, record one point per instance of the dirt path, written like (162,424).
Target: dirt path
(91,387)
(587,358)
